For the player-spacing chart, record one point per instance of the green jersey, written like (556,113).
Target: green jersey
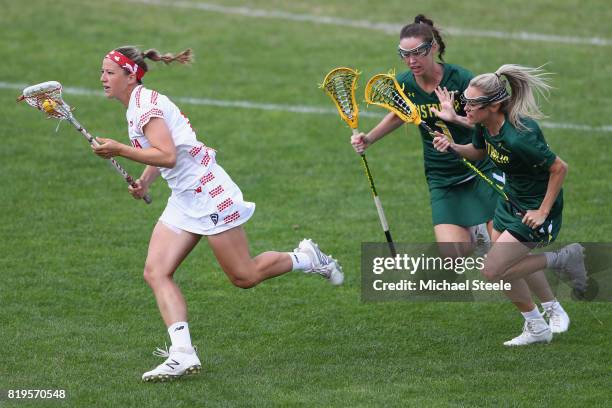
(442,169)
(524,156)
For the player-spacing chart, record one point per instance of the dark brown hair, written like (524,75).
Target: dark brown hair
(424,28)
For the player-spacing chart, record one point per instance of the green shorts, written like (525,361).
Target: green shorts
(470,203)
(507,220)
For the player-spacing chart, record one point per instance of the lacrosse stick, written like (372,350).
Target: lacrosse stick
(47,97)
(340,85)
(384,90)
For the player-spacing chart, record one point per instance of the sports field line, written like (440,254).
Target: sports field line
(389,28)
(305,109)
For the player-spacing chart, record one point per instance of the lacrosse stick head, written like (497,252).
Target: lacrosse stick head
(47,98)
(340,85)
(384,90)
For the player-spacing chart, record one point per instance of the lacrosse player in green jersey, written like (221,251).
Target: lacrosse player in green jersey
(507,132)
(461,203)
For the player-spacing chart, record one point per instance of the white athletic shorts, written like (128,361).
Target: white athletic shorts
(216,205)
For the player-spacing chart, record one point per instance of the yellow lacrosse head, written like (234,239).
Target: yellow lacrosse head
(384,90)
(340,85)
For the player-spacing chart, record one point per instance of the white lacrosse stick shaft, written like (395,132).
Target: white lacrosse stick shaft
(92,141)
(50,92)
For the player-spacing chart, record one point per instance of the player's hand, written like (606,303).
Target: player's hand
(139,191)
(359,142)
(534,218)
(441,142)
(447,105)
(107,148)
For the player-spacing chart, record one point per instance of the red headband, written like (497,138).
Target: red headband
(126,63)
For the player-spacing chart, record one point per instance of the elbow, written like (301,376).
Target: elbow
(170,161)
(562,168)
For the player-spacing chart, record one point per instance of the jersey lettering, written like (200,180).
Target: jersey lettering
(496,156)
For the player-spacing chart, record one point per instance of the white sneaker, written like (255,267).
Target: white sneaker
(534,331)
(322,264)
(180,361)
(571,259)
(558,319)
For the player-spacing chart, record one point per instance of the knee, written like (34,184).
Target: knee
(455,249)
(153,275)
(244,278)
(243,282)
(491,272)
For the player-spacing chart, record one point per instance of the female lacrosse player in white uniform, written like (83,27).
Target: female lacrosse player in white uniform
(507,132)
(204,202)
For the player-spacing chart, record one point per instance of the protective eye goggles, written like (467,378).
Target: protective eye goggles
(485,100)
(420,50)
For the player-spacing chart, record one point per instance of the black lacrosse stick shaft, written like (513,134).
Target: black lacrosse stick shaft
(502,193)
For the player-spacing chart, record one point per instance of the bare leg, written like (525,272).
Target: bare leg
(538,283)
(231,248)
(519,294)
(456,239)
(508,253)
(509,259)
(167,249)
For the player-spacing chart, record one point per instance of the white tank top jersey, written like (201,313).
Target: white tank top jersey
(193,158)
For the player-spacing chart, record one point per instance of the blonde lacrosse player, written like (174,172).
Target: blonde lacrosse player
(503,108)
(461,203)
(204,202)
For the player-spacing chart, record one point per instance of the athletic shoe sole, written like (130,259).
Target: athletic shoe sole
(195,369)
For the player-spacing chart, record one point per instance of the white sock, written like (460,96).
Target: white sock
(534,314)
(300,261)
(179,334)
(553,304)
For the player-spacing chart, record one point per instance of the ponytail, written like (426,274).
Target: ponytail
(524,83)
(183,57)
(133,53)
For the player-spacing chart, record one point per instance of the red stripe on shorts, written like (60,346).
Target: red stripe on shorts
(232,217)
(224,205)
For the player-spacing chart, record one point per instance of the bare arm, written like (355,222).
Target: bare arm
(161,153)
(147,177)
(361,141)
(460,120)
(441,143)
(558,171)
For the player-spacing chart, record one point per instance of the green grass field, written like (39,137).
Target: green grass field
(75,313)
